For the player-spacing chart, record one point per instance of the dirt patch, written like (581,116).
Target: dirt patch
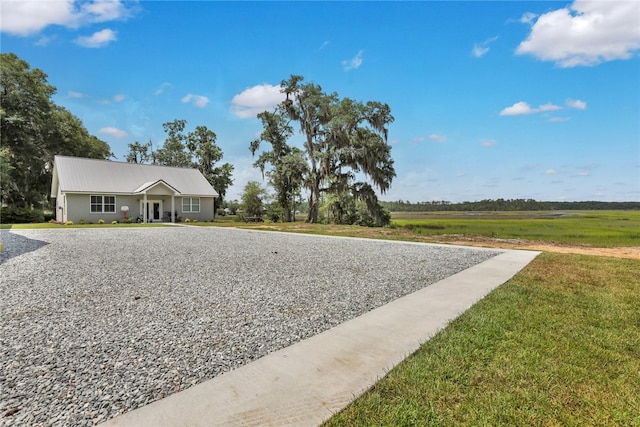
(487,242)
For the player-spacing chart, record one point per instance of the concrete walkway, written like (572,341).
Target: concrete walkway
(307,382)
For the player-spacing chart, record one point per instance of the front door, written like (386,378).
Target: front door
(154,210)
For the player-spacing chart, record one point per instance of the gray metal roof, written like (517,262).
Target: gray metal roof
(79,175)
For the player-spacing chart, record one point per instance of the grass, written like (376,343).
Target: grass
(556,345)
(599,228)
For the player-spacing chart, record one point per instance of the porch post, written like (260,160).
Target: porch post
(173,208)
(144,208)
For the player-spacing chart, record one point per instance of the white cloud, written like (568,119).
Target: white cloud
(488,143)
(482,48)
(161,88)
(197,100)
(523,108)
(254,100)
(114,132)
(559,119)
(72,94)
(517,109)
(550,172)
(325,44)
(528,18)
(419,139)
(586,33)
(576,103)
(434,137)
(26,17)
(119,98)
(98,39)
(353,63)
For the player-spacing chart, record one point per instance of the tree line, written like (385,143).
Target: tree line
(505,205)
(34,130)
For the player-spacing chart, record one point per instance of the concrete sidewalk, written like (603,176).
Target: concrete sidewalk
(307,382)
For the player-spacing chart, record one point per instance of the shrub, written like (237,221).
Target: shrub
(68,223)
(101,221)
(195,220)
(20,215)
(187,220)
(81,221)
(115,221)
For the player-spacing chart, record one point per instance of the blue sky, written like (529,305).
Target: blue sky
(491,99)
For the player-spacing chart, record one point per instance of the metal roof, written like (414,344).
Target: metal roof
(80,175)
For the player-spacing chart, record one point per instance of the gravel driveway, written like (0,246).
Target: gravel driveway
(97,322)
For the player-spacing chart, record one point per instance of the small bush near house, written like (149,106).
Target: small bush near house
(195,220)
(101,221)
(187,220)
(115,221)
(81,221)
(68,223)
(20,215)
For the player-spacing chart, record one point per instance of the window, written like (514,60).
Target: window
(190,204)
(103,204)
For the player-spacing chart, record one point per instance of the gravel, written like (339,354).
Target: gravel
(98,322)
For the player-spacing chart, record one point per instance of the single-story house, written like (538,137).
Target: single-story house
(91,190)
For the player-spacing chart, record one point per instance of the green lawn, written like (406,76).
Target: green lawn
(559,344)
(599,228)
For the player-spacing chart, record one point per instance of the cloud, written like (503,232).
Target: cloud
(419,139)
(435,138)
(114,132)
(254,100)
(528,18)
(550,172)
(72,94)
(586,33)
(119,98)
(197,100)
(353,63)
(523,108)
(27,17)
(559,119)
(482,48)
(325,44)
(576,103)
(488,143)
(161,88)
(98,39)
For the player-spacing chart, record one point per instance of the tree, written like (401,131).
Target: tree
(288,165)
(173,151)
(202,145)
(197,149)
(343,138)
(252,199)
(139,153)
(34,130)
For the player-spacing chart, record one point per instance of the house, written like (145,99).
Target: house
(91,190)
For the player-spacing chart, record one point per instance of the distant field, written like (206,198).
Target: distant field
(602,228)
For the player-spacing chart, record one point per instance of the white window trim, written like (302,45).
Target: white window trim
(102,204)
(191,199)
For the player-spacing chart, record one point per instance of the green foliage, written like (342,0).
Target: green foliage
(34,130)
(82,221)
(101,221)
(197,149)
(115,221)
(68,222)
(9,215)
(253,199)
(187,220)
(521,205)
(343,138)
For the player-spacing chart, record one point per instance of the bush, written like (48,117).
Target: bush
(187,220)
(101,221)
(20,215)
(115,221)
(68,223)
(81,221)
(195,220)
